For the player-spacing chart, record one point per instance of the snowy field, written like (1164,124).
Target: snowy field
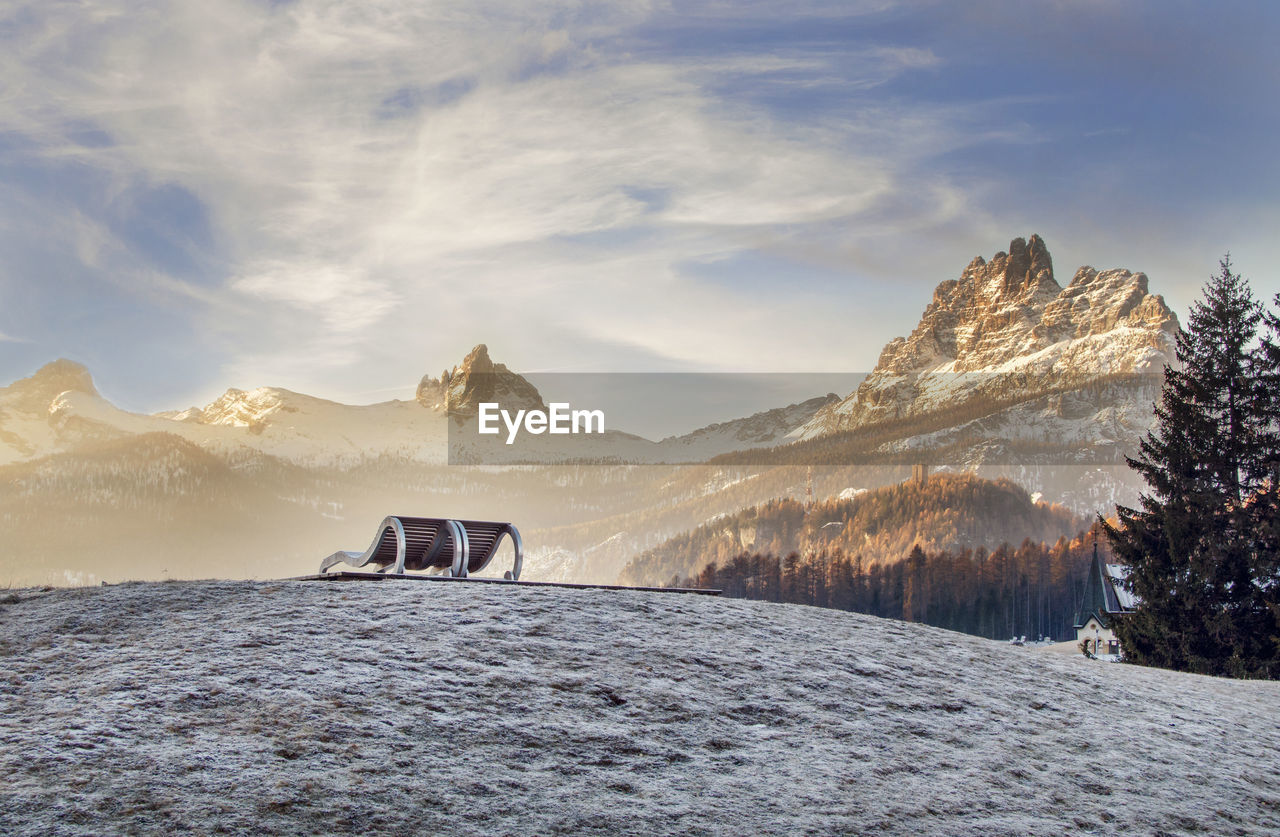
(422,707)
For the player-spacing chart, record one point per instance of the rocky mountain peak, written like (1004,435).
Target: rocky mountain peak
(1012,306)
(1099,302)
(64,375)
(459,391)
(1023,271)
(1009,319)
(36,393)
(237,408)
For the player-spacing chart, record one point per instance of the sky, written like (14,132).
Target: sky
(338,197)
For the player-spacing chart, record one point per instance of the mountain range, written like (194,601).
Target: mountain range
(1006,372)
(59,410)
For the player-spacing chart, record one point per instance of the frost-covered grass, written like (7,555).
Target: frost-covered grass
(407,707)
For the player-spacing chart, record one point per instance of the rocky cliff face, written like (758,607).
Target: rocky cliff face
(34,394)
(28,414)
(459,391)
(1006,331)
(988,312)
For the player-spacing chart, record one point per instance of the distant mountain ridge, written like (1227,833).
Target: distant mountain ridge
(58,410)
(39,418)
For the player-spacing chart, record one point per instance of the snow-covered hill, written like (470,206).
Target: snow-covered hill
(438,707)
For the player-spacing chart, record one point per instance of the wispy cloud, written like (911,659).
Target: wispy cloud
(353,193)
(369,165)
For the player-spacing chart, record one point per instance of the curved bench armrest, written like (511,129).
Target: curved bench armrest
(461,549)
(359,559)
(518,564)
(339,557)
(394,522)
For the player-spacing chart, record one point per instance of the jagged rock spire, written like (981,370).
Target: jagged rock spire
(459,391)
(1012,305)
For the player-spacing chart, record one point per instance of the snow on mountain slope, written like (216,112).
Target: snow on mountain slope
(763,429)
(296,428)
(314,431)
(444,707)
(58,410)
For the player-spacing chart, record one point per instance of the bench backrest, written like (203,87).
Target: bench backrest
(483,539)
(428,542)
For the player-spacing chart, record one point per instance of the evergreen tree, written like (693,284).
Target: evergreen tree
(1190,548)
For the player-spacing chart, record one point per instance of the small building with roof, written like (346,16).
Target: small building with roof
(1104,599)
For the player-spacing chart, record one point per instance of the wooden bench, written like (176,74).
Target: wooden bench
(461,547)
